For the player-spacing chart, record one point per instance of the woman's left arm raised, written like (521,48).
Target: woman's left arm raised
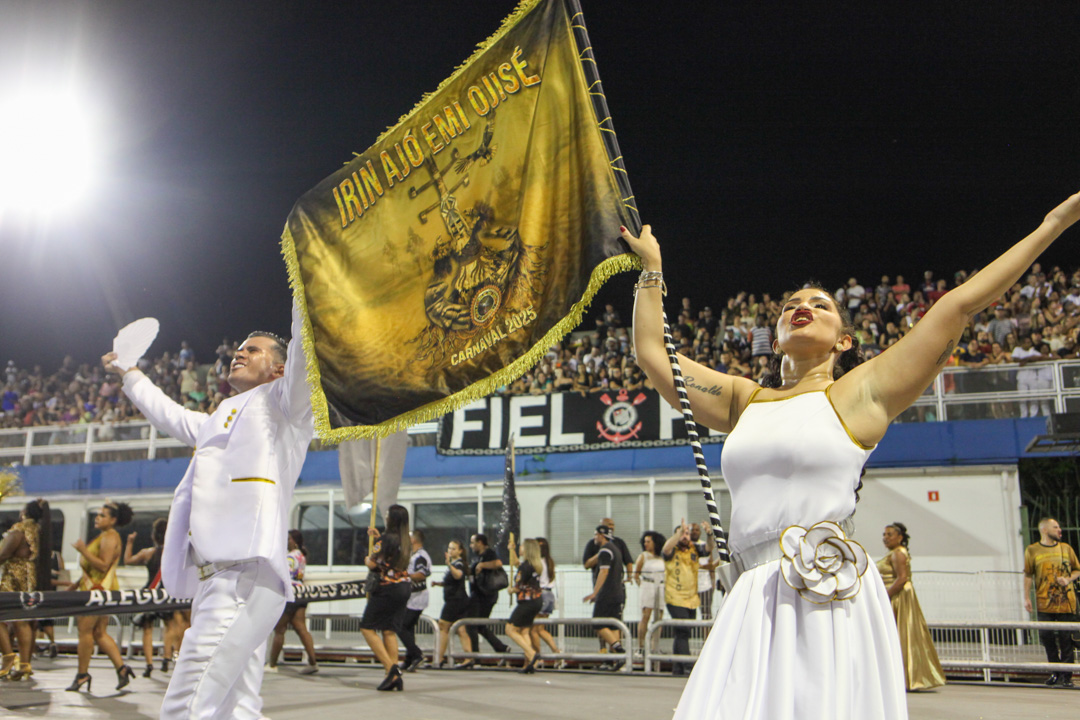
(893,380)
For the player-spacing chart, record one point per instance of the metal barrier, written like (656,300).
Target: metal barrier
(1006,647)
(998,391)
(628,665)
(1001,646)
(649,657)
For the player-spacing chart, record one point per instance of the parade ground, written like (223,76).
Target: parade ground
(348,691)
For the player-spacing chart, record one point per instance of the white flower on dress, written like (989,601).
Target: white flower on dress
(821,563)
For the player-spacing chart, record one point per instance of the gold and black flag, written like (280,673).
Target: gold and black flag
(443,261)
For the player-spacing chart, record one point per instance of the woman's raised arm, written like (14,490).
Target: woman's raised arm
(896,378)
(717,398)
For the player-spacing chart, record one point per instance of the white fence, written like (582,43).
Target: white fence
(1000,391)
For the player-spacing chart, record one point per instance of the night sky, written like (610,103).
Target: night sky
(765,145)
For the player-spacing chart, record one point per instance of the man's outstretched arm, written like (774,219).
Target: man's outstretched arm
(163,412)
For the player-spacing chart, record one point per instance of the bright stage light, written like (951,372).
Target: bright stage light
(46,152)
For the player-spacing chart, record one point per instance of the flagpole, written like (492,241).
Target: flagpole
(374,497)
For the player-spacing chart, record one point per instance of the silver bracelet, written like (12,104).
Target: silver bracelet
(651,279)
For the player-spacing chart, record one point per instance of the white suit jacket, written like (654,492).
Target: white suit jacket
(233,501)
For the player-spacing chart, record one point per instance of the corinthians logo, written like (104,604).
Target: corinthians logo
(620,421)
(30,600)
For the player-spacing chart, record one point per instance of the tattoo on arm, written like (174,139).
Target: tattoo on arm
(947,352)
(710,390)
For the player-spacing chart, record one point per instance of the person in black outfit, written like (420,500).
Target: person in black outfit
(481,603)
(455,600)
(151,558)
(386,601)
(529,602)
(608,593)
(591,554)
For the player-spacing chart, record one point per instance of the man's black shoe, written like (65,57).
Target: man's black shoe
(412,665)
(1052,680)
(1066,682)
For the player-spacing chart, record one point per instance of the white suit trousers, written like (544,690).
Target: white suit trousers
(219,671)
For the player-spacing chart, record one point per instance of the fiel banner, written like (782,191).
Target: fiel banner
(444,260)
(566,422)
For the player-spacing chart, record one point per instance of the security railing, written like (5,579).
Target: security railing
(1000,391)
(95,442)
(574,655)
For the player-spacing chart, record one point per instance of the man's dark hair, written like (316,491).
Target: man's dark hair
(279,343)
(481,538)
(419,535)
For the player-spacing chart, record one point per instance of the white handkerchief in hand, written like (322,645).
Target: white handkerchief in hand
(133,340)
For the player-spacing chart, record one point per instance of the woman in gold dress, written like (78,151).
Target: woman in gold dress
(24,562)
(922,669)
(98,563)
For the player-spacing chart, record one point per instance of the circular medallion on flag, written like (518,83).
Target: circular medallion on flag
(485,304)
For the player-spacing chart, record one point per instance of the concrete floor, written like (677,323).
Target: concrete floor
(342,691)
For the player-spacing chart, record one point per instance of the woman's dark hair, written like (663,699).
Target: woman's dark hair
(902,529)
(396,537)
(848,360)
(658,540)
(157,531)
(121,511)
(298,538)
(38,511)
(545,553)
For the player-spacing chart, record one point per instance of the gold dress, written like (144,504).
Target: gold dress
(922,669)
(94,579)
(20,574)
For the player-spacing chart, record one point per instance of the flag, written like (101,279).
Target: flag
(356,463)
(510,520)
(444,261)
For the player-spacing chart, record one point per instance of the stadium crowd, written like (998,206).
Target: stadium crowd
(1036,320)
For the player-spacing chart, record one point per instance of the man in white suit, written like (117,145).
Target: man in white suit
(225,544)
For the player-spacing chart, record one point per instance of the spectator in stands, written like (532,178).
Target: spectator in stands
(455,600)
(481,600)
(98,563)
(761,338)
(294,614)
(419,571)
(1031,379)
(649,576)
(608,595)
(1051,566)
(681,567)
(528,592)
(1002,325)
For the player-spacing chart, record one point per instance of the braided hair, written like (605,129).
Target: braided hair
(902,529)
(38,511)
(847,361)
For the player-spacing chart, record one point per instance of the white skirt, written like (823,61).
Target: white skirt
(772,655)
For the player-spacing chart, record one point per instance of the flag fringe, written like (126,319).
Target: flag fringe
(479,389)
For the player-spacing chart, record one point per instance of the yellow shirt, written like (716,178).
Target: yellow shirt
(681,578)
(1045,565)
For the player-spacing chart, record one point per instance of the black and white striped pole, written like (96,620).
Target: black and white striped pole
(699,457)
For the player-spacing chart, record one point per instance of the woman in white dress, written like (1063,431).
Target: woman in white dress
(649,576)
(807,630)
